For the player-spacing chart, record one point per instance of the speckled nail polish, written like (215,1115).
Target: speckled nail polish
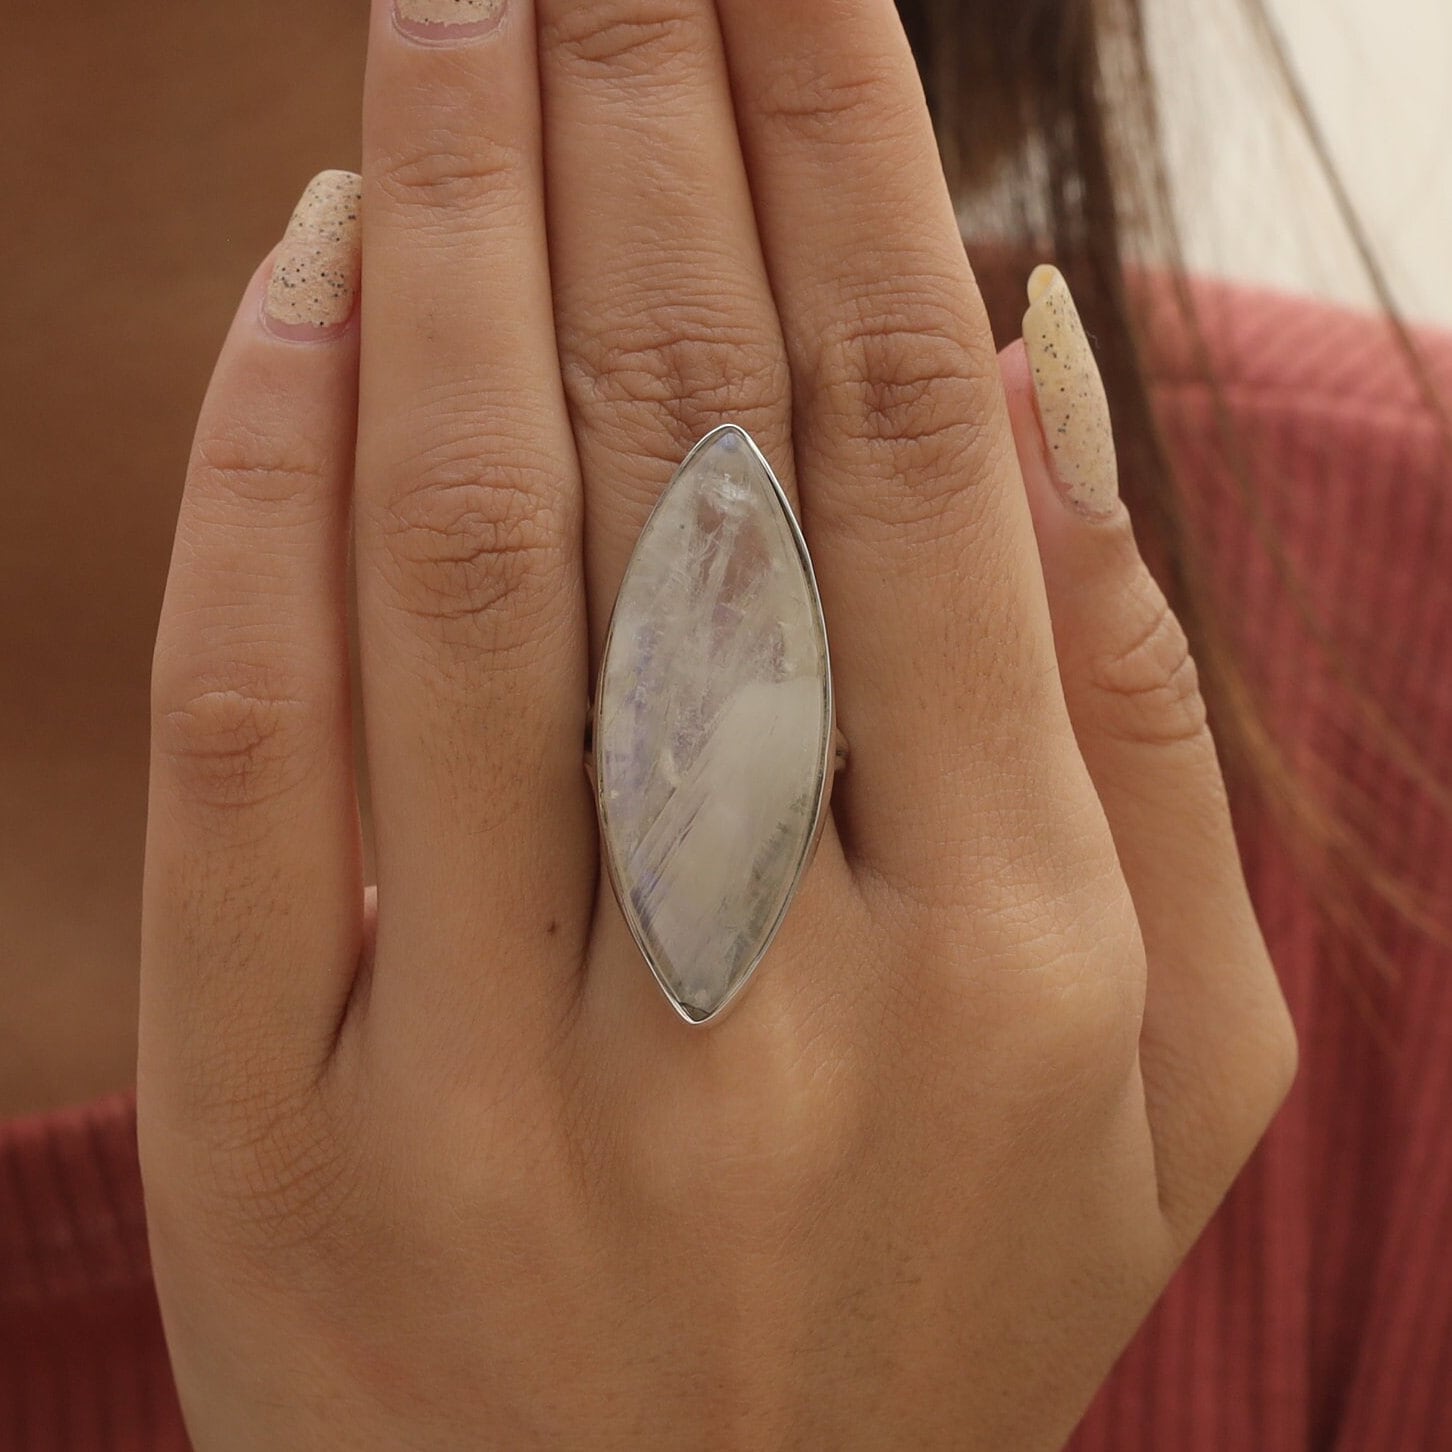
(315,273)
(1073,409)
(446,20)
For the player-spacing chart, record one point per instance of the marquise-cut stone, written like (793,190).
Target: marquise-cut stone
(713,724)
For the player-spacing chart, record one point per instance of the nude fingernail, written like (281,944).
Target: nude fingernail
(446,20)
(1073,408)
(315,273)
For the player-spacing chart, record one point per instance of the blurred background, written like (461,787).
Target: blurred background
(1378,76)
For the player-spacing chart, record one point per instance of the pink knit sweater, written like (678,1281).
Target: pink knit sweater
(1317,1310)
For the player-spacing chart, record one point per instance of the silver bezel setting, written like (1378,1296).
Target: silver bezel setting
(833,752)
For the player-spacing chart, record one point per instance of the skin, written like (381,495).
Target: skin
(439,1167)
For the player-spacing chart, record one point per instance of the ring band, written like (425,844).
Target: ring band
(712,741)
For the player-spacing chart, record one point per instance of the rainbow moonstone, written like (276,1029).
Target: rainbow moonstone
(713,724)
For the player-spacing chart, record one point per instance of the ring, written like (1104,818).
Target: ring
(712,741)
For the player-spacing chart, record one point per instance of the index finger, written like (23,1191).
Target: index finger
(471,599)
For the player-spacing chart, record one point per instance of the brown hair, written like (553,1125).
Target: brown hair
(1020,93)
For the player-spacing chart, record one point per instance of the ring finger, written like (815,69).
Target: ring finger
(665,317)
(910,487)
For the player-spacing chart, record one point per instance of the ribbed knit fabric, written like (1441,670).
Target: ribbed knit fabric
(1316,1312)
(83,1365)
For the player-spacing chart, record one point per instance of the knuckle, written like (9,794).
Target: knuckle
(903,378)
(1283,1059)
(666,385)
(607,38)
(283,1177)
(815,105)
(1275,1056)
(1049,983)
(249,467)
(769,1144)
(452,171)
(232,741)
(1227,1079)
(1149,679)
(473,544)
(1079,1035)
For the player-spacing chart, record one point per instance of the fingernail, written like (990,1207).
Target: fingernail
(315,274)
(446,20)
(1073,409)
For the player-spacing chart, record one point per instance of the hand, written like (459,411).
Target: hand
(442,1169)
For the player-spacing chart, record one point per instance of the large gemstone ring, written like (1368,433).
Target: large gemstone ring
(713,739)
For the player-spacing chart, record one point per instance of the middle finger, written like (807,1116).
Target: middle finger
(665,317)
(666,323)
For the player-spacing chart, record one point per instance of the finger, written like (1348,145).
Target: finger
(665,316)
(253,894)
(470,591)
(1217,1049)
(666,322)
(910,492)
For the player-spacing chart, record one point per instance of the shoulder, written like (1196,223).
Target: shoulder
(1316,479)
(1324,421)
(1314,447)
(1277,349)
